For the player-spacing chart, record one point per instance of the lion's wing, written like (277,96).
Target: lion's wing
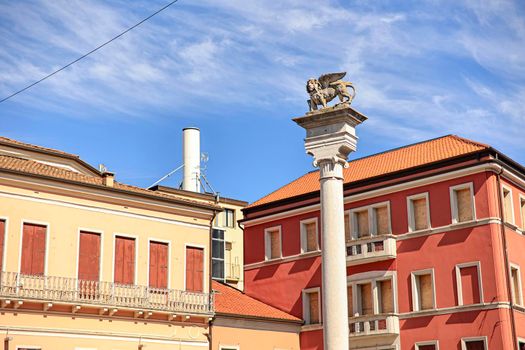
(326,79)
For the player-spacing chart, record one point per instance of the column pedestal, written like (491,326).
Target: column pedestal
(330,138)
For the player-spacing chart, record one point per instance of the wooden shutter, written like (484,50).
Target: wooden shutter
(475,345)
(362,223)
(381,215)
(89,256)
(426,292)
(33,249)
(515,285)
(124,260)
(387,299)
(469,285)
(2,240)
(420,213)
(311,236)
(275,244)
(348,236)
(194,269)
(464,203)
(426,347)
(366,299)
(158,265)
(350,301)
(313,298)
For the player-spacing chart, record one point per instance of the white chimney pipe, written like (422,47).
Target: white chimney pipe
(191,152)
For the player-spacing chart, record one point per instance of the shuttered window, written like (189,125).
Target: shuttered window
(419,214)
(273,243)
(194,269)
(475,345)
(381,220)
(423,297)
(386,299)
(312,307)
(365,299)
(158,265)
(2,240)
(507,205)
(350,300)
(463,200)
(124,260)
(348,236)
(522,212)
(361,218)
(33,249)
(89,256)
(469,285)
(309,236)
(516,285)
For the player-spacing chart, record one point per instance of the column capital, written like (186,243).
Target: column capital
(330,133)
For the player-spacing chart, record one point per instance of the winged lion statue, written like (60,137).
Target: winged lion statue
(328,87)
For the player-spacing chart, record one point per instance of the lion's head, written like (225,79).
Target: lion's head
(312,85)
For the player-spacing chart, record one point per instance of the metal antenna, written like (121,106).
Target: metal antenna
(166,176)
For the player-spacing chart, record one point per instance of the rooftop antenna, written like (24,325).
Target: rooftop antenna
(166,176)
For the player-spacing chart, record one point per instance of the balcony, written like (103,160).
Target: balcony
(232,272)
(374,325)
(370,249)
(109,297)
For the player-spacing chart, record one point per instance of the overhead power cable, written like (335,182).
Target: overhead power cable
(89,53)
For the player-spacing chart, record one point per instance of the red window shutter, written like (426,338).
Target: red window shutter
(124,260)
(89,256)
(33,249)
(2,240)
(470,285)
(158,265)
(194,269)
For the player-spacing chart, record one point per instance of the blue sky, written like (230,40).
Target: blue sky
(237,70)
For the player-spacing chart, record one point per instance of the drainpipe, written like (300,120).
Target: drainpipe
(506,256)
(210,280)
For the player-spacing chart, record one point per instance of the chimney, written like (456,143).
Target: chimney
(108,178)
(191,154)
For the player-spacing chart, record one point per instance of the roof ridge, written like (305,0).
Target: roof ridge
(472,142)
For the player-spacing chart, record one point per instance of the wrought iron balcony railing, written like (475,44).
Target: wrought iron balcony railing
(370,325)
(371,249)
(106,294)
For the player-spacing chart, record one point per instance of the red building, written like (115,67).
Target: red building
(435,249)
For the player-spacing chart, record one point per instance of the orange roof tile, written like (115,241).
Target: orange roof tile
(231,301)
(387,162)
(16,143)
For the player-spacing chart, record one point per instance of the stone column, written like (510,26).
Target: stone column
(330,138)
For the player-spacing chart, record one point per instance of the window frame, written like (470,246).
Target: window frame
(427,342)
(229,347)
(459,286)
(223,254)
(226,223)
(304,238)
(114,256)
(3,253)
(410,209)
(464,341)
(519,299)
(522,212)
(454,199)
(306,307)
(163,241)
(504,188)
(416,307)
(21,244)
(372,225)
(205,286)
(267,243)
(373,278)
(101,234)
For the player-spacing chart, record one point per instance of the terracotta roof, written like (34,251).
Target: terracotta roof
(384,163)
(231,301)
(31,167)
(16,143)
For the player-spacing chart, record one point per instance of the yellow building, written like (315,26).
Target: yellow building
(90,263)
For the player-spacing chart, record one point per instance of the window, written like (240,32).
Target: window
(33,249)
(229,217)
(423,295)
(229,347)
(364,299)
(309,236)
(462,203)
(124,272)
(418,212)
(385,297)
(517,297)
(312,306)
(469,283)
(369,221)
(508,211)
(194,269)
(427,345)
(217,254)
(2,240)
(348,235)
(522,212)
(474,343)
(374,295)
(158,264)
(89,256)
(350,300)
(273,243)
(521,345)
